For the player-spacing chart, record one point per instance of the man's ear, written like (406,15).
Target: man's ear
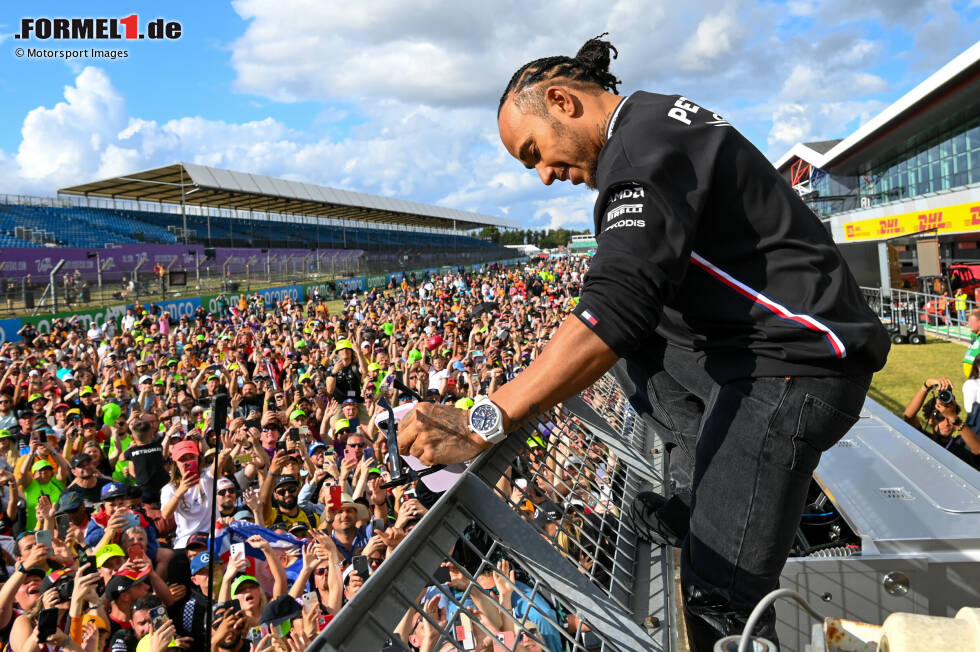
(561,100)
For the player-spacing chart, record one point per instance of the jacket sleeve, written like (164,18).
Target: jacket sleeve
(644,246)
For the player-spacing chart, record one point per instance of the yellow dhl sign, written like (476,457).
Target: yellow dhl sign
(947,219)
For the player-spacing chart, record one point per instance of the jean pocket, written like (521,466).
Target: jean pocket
(820,426)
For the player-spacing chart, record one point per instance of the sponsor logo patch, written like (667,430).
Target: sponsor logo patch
(625,209)
(589,317)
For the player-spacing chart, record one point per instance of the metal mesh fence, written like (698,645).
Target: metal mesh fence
(531,549)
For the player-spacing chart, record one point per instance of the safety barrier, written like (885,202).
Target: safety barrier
(579,578)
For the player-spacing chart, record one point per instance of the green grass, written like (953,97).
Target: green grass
(909,365)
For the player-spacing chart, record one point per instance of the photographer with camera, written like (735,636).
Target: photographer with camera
(942,422)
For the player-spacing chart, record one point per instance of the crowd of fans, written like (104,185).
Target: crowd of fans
(109,452)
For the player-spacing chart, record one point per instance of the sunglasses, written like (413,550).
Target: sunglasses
(225,492)
(357,445)
(286,490)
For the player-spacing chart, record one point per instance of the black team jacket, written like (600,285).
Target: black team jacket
(703,244)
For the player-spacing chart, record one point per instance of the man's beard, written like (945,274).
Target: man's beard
(288,503)
(227,509)
(224,644)
(579,146)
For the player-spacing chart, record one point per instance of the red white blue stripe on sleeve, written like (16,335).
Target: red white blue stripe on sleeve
(778,309)
(589,317)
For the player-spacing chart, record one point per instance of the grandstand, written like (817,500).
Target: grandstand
(193,204)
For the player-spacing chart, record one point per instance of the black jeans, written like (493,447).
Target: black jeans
(756,443)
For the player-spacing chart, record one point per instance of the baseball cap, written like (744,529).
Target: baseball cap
(243,515)
(69,501)
(343,344)
(201,561)
(295,414)
(197,539)
(341,424)
(41,464)
(286,479)
(280,610)
(315,446)
(241,579)
(349,400)
(225,483)
(119,382)
(107,552)
(4,433)
(80,458)
(145,379)
(114,490)
(122,581)
(86,390)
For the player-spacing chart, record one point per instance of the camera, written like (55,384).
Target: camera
(945,397)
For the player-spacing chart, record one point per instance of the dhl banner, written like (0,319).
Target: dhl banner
(946,219)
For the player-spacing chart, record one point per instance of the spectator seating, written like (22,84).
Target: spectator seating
(97,227)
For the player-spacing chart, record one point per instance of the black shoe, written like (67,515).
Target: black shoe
(710,619)
(660,520)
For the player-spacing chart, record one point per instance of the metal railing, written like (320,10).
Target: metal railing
(582,579)
(907,313)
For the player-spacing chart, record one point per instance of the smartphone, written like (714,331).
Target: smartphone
(280,445)
(304,430)
(43,538)
(336,499)
(83,559)
(244,458)
(238,550)
(136,551)
(360,564)
(310,601)
(175,421)
(159,617)
(521,483)
(62,523)
(132,520)
(409,493)
(47,623)
(379,524)
(323,621)
(294,434)
(190,468)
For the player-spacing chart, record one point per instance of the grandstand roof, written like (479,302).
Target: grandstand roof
(207,186)
(949,89)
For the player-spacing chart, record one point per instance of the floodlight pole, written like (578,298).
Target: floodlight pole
(54,284)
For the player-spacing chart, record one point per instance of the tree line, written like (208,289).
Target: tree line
(541,238)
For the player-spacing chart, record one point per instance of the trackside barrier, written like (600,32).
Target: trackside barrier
(581,580)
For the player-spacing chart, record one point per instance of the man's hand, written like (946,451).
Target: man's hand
(439,434)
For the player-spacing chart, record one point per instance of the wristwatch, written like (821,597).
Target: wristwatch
(487,421)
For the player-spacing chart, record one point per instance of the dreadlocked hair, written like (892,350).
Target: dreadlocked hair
(590,66)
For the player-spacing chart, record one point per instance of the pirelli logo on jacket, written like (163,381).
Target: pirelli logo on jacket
(625,208)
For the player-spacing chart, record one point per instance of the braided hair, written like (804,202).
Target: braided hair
(589,67)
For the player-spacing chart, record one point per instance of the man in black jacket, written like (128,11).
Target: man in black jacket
(714,282)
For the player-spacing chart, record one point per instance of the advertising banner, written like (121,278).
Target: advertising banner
(947,219)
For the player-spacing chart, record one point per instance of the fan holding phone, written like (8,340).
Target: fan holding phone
(187,497)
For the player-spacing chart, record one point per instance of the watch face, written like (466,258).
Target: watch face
(483,418)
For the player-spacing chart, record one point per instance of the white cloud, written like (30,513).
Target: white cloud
(716,37)
(793,122)
(570,211)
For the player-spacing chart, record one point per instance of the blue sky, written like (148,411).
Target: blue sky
(399,98)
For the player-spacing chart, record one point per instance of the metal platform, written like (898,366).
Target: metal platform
(916,508)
